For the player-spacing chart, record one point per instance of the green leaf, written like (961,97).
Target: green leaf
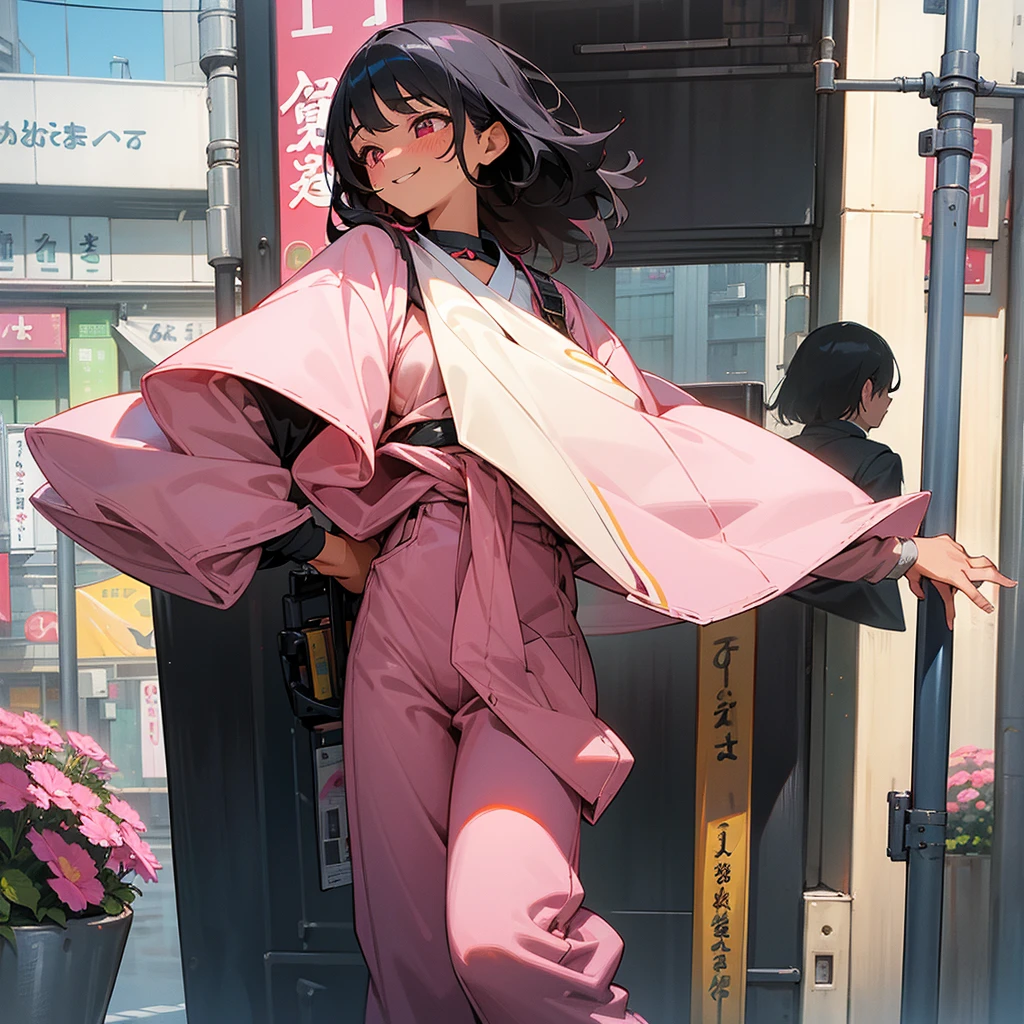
(5,909)
(17,887)
(7,838)
(112,906)
(56,915)
(8,934)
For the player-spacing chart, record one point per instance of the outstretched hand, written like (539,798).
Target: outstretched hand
(947,564)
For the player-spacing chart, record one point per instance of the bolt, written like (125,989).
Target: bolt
(826,929)
(264,244)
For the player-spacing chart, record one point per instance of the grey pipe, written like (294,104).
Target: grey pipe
(926,820)
(218,57)
(67,632)
(1006,914)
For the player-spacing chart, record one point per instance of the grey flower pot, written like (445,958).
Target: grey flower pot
(62,976)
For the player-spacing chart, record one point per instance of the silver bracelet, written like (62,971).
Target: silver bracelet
(908,556)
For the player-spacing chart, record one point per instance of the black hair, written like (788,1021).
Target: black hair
(548,189)
(827,374)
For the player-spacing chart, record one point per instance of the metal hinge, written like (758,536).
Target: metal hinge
(912,829)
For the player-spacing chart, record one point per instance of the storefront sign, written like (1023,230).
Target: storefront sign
(725,731)
(23,480)
(47,249)
(90,248)
(110,134)
(92,362)
(114,619)
(5,593)
(985,212)
(34,331)
(12,247)
(977,268)
(41,628)
(315,40)
(154,761)
(147,342)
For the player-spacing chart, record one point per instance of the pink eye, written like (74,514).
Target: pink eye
(370,155)
(429,125)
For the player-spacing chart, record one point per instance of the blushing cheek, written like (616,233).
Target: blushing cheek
(431,146)
(376,176)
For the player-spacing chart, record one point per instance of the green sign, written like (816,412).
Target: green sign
(92,355)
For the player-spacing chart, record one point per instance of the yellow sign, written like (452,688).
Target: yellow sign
(115,619)
(725,732)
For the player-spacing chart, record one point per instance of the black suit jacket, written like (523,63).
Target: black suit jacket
(877,470)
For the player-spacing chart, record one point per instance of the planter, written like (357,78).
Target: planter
(59,975)
(964,980)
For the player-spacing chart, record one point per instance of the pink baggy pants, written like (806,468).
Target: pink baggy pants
(464,844)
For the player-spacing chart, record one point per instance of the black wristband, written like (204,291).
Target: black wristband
(300,545)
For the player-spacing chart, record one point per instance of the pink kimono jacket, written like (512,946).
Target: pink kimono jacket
(179,486)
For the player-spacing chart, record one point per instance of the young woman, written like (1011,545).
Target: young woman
(418,383)
(839,384)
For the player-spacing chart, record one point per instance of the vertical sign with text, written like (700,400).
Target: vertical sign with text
(315,41)
(725,733)
(154,761)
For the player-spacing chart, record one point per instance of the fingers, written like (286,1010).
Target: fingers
(990,574)
(946,593)
(916,586)
(967,587)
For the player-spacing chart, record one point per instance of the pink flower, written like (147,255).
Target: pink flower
(100,829)
(13,732)
(981,805)
(982,777)
(126,813)
(143,861)
(964,752)
(985,756)
(965,796)
(75,880)
(952,808)
(14,788)
(63,793)
(959,779)
(40,734)
(88,747)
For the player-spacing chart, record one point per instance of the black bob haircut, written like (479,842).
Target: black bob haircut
(827,374)
(547,190)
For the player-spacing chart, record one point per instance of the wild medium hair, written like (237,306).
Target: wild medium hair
(826,376)
(548,190)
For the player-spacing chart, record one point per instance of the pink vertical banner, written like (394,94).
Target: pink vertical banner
(315,40)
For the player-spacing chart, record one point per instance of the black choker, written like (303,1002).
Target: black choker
(461,246)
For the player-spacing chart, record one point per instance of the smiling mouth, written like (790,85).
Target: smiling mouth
(404,177)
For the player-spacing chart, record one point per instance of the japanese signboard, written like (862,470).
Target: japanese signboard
(12,247)
(315,40)
(47,249)
(90,249)
(35,331)
(725,731)
(977,268)
(148,341)
(116,134)
(23,480)
(985,211)
(154,760)
(92,352)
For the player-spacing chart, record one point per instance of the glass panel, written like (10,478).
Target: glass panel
(694,324)
(35,390)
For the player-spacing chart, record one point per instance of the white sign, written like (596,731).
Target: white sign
(90,248)
(152,341)
(12,246)
(332,822)
(56,130)
(23,480)
(47,249)
(154,760)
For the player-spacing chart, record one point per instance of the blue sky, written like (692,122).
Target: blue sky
(95,36)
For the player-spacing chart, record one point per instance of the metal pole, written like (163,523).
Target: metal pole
(1006,900)
(67,632)
(953,143)
(218,57)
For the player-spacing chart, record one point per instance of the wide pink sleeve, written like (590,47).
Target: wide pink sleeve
(179,486)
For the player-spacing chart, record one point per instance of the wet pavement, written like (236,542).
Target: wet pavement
(149,982)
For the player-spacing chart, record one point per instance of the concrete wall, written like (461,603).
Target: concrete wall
(882,257)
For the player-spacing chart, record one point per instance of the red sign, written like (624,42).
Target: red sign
(315,40)
(41,628)
(977,268)
(33,332)
(5,594)
(983,213)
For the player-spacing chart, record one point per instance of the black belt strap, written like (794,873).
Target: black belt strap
(432,434)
